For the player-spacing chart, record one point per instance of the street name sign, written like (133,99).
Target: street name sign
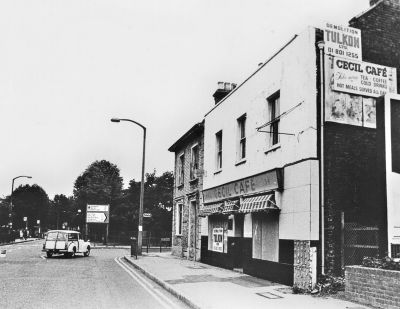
(147,215)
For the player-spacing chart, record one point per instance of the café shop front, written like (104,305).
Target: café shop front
(243,226)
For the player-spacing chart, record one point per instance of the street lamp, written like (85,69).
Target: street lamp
(140,227)
(12,191)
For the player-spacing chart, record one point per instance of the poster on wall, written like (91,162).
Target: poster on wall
(218,239)
(347,108)
(342,41)
(369,111)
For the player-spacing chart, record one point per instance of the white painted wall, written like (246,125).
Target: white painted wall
(293,72)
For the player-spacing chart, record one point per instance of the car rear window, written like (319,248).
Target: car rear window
(52,236)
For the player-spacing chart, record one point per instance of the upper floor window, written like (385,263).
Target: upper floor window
(273,108)
(218,144)
(241,150)
(181,169)
(194,162)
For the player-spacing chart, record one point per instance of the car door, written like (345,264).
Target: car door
(73,239)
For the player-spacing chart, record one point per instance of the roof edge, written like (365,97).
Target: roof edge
(197,128)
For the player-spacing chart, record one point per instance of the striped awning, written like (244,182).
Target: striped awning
(230,207)
(209,209)
(258,203)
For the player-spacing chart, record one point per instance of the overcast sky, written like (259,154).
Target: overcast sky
(67,67)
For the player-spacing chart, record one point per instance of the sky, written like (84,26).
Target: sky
(68,66)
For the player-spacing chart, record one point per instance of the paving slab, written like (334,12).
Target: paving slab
(204,286)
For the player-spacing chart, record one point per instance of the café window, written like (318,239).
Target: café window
(273,110)
(194,162)
(218,234)
(265,237)
(241,143)
(218,146)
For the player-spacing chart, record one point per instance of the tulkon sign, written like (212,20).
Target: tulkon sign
(98,214)
(342,41)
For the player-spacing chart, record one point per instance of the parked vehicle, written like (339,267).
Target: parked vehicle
(67,242)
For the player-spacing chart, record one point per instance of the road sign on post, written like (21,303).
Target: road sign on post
(98,214)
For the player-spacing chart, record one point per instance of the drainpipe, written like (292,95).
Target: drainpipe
(321,45)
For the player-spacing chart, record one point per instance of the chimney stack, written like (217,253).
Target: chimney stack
(222,91)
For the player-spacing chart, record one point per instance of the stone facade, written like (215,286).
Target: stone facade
(304,259)
(187,194)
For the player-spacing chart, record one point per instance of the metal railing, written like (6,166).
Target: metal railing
(360,241)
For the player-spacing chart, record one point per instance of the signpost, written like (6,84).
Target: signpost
(147,215)
(99,214)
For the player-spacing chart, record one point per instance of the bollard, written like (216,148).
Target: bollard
(3,253)
(134,247)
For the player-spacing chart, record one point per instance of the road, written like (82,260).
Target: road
(103,280)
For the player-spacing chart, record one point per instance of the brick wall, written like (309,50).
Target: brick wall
(380,34)
(350,184)
(350,151)
(371,286)
(185,194)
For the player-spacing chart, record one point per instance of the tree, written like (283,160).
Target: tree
(31,202)
(100,183)
(4,211)
(158,193)
(62,209)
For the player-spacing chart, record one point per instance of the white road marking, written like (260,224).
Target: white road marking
(156,294)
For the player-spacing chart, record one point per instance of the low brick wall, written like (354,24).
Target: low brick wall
(372,286)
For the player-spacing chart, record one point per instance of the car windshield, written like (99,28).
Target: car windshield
(73,236)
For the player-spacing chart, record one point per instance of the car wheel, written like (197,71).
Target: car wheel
(49,254)
(87,252)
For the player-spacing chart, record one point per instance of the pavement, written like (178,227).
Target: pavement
(203,286)
(18,241)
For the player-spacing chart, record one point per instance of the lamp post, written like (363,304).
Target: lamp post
(140,227)
(12,191)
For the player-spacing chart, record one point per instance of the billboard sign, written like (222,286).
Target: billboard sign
(363,78)
(342,41)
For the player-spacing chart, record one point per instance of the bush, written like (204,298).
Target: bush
(383,263)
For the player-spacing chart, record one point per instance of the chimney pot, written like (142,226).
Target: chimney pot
(223,90)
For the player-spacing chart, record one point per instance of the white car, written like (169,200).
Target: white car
(67,242)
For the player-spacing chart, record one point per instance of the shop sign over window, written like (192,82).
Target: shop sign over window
(363,78)
(342,41)
(267,181)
